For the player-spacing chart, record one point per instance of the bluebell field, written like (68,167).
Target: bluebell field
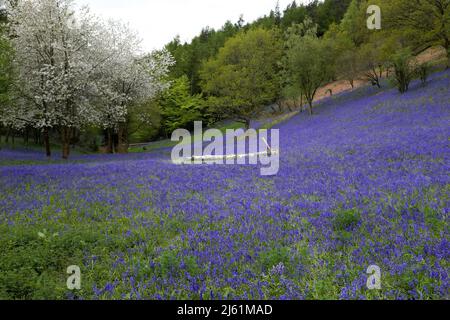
(363,182)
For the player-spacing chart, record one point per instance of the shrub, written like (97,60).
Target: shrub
(404,69)
(423,71)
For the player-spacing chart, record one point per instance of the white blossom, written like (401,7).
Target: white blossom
(74,70)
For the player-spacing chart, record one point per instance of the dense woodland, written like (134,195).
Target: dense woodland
(62,83)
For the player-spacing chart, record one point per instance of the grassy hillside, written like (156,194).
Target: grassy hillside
(363,182)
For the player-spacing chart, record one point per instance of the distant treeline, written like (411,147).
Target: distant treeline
(190,56)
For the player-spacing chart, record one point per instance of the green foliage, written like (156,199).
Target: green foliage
(179,108)
(324,13)
(328,12)
(293,14)
(428,21)
(345,60)
(423,71)
(6,70)
(404,69)
(293,94)
(6,74)
(273,257)
(346,220)
(348,66)
(243,77)
(354,22)
(372,62)
(169,262)
(90,139)
(307,28)
(189,57)
(309,64)
(290,89)
(33,261)
(145,122)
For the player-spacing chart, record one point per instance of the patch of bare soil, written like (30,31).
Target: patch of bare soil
(431,54)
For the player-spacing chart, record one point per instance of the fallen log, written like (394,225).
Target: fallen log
(212,158)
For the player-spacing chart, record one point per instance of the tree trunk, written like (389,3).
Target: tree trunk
(122,144)
(46,137)
(109,141)
(36,136)
(280,105)
(27,136)
(8,132)
(110,147)
(247,124)
(66,150)
(310,105)
(373,77)
(448,57)
(289,106)
(65,138)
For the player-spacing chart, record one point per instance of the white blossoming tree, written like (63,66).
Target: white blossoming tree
(52,48)
(72,70)
(128,79)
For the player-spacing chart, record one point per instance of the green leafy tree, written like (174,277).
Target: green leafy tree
(293,14)
(244,76)
(290,89)
(371,62)
(348,66)
(145,122)
(343,53)
(277,16)
(309,65)
(293,97)
(354,23)
(423,71)
(427,20)
(324,13)
(330,12)
(179,109)
(182,55)
(189,57)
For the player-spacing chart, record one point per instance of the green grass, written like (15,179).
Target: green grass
(35,256)
(222,127)
(169,144)
(279,120)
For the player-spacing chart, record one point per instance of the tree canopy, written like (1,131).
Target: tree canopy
(243,77)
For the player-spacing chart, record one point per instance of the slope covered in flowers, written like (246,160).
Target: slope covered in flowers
(363,182)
